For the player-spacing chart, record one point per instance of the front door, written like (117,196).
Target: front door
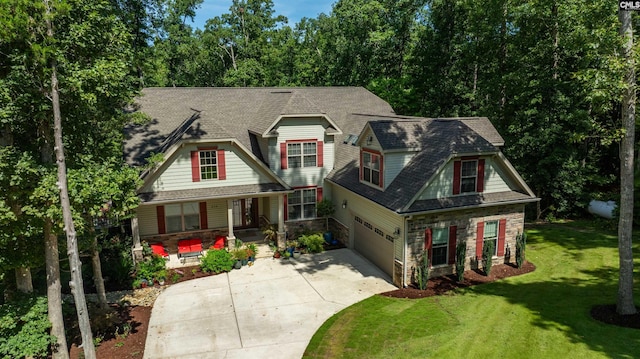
(245,213)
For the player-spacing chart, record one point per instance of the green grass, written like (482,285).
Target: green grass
(544,314)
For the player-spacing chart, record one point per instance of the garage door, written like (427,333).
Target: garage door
(373,244)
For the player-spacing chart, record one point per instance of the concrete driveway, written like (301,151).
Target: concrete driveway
(271,309)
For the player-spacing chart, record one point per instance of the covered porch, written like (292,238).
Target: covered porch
(167,218)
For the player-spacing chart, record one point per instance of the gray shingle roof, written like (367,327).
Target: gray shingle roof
(215,192)
(222,113)
(437,139)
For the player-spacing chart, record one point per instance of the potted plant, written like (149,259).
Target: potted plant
(161,276)
(325,209)
(252,251)
(291,246)
(270,232)
(237,257)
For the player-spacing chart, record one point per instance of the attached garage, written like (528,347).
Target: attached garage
(373,244)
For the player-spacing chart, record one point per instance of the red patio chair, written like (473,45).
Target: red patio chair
(218,243)
(159,249)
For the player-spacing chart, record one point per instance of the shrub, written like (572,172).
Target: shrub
(117,262)
(313,242)
(487,256)
(216,261)
(461,252)
(24,328)
(422,270)
(149,267)
(521,243)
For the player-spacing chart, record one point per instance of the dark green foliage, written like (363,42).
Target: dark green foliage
(150,267)
(24,328)
(313,242)
(461,252)
(117,264)
(422,271)
(487,256)
(216,261)
(521,243)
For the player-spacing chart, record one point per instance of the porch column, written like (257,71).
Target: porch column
(137,246)
(281,234)
(231,238)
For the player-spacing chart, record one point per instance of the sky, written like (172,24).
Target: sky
(294,10)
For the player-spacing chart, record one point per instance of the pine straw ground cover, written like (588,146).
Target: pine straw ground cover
(542,314)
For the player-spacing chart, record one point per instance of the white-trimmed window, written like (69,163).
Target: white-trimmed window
(301,204)
(208,164)
(491,235)
(182,217)
(371,168)
(302,154)
(468,176)
(440,246)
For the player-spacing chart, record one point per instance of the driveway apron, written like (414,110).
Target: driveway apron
(271,309)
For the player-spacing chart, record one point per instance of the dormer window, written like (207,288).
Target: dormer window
(468,175)
(301,153)
(208,164)
(371,167)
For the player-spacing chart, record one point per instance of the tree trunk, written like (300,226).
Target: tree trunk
(54,293)
(625,305)
(98,281)
(76,284)
(23,280)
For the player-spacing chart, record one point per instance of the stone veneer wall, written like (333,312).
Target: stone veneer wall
(466,221)
(339,230)
(296,227)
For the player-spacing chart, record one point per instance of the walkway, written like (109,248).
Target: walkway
(271,309)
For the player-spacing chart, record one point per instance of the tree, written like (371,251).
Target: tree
(76,284)
(625,304)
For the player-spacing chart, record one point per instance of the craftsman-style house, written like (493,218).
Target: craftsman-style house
(235,158)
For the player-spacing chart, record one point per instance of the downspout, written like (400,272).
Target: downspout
(404,250)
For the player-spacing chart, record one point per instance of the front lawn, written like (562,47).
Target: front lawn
(544,314)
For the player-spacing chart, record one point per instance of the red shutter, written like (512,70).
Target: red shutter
(162,228)
(453,232)
(479,239)
(203,215)
(283,155)
(222,165)
(318,194)
(320,153)
(428,243)
(456,176)
(286,212)
(381,171)
(502,231)
(361,165)
(195,166)
(480,183)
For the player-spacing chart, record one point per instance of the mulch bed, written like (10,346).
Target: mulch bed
(129,346)
(441,285)
(607,314)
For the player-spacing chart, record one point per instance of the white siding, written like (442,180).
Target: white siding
(176,173)
(384,219)
(302,129)
(373,144)
(393,164)
(147,220)
(217,213)
(442,184)
(495,180)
